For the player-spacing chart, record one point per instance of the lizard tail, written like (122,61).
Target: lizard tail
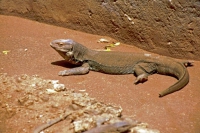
(180,72)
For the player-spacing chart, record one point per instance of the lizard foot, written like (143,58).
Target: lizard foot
(188,63)
(63,73)
(141,79)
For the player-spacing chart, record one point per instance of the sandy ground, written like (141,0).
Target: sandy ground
(27,43)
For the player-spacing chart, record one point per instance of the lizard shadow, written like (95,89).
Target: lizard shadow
(63,63)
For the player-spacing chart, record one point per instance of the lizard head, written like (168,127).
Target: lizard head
(70,50)
(63,45)
(65,48)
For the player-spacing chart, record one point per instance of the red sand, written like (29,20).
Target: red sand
(29,53)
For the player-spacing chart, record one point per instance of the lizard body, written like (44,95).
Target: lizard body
(114,62)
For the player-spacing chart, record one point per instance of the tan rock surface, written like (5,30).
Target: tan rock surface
(168,27)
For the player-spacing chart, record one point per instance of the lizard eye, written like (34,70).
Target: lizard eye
(60,44)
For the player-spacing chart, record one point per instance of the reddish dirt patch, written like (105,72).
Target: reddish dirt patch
(29,53)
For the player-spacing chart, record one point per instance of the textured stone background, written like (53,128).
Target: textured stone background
(168,27)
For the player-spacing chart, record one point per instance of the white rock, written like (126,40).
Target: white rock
(59,87)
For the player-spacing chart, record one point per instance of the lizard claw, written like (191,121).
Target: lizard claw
(188,63)
(136,81)
(63,73)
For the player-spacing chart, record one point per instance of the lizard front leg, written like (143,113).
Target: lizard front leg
(84,69)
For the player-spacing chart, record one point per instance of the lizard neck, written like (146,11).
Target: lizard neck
(82,53)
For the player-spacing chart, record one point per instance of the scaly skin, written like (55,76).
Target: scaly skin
(140,65)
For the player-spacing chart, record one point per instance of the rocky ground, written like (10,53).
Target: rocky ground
(26,104)
(32,104)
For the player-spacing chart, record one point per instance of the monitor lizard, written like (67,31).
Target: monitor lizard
(115,62)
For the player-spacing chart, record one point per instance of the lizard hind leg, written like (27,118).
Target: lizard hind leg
(142,70)
(141,75)
(141,78)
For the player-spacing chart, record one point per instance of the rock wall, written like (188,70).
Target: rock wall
(168,27)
